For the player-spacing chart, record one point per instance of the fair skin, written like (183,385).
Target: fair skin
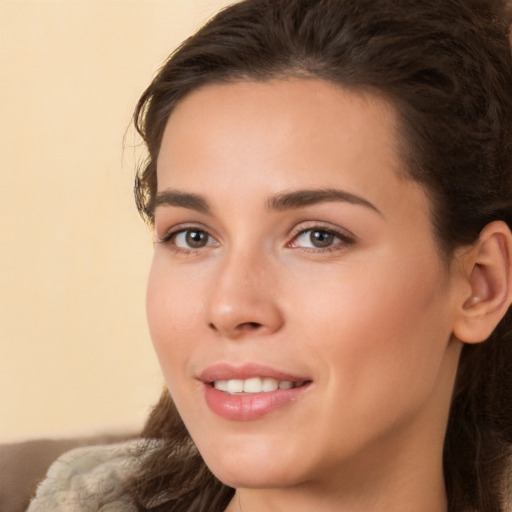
(345,292)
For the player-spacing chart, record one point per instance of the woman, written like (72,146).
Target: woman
(330,187)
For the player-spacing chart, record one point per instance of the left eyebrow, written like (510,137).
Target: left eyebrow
(181,200)
(301,198)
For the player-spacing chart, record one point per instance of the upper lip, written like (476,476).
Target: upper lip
(224,371)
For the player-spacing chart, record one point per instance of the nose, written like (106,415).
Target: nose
(244,298)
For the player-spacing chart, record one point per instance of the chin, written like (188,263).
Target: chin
(254,468)
(256,477)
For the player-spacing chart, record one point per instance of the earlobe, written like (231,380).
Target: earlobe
(489,276)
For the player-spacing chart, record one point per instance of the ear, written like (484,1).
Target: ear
(488,271)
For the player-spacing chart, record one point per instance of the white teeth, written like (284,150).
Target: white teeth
(221,385)
(270,384)
(235,386)
(252,385)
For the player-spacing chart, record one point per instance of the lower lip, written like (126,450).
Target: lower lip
(250,406)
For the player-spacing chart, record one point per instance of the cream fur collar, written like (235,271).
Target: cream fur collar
(88,479)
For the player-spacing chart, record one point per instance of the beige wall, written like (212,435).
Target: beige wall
(75,355)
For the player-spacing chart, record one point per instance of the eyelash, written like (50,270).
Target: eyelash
(172,234)
(345,239)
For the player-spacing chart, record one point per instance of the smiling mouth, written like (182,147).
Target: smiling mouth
(254,385)
(250,391)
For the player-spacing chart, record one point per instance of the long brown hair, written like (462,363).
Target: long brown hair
(446,66)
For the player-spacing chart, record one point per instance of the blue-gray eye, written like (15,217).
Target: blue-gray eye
(316,238)
(321,238)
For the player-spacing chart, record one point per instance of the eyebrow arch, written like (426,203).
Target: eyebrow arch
(181,200)
(301,198)
(285,201)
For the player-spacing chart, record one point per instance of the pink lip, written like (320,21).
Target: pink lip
(250,406)
(246,371)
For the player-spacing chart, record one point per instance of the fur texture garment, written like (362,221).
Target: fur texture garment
(89,479)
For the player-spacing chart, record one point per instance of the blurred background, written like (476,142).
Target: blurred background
(75,354)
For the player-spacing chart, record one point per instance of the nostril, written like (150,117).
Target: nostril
(245,326)
(250,325)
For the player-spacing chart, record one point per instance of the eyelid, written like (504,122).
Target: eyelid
(347,237)
(323,226)
(175,230)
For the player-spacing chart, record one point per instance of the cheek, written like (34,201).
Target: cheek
(173,312)
(383,332)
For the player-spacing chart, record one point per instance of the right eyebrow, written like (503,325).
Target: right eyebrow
(302,198)
(181,200)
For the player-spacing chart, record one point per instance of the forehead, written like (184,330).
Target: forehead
(298,101)
(281,121)
(281,133)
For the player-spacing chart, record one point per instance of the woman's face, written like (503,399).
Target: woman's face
(293,254)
